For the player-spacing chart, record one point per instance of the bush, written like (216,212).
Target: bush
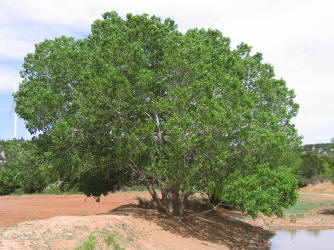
(24,168)
(315,168)
(89,244)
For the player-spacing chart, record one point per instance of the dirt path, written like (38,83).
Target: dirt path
(15,209)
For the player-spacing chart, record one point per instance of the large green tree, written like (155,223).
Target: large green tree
(181,113)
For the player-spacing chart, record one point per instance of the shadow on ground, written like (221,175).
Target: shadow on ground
(221,226)
(327,211)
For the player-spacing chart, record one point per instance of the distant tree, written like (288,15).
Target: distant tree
(183,113)
(23,168)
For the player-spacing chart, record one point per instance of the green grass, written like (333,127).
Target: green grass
(111,240)
(89,244)
(300,208)
(306,203)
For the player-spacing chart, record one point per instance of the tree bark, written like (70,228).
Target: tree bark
(165,197)
(184,200)
(156,199)
(177,207)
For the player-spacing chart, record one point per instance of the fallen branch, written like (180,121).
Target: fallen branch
(203,212)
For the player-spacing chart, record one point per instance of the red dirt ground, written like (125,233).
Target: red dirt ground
(138,227)
(132,226)
(15,209)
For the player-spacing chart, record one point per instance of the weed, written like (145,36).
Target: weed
(89,244)
(110,240)
(246,216)
(117,247)
(295,216)
(141,201)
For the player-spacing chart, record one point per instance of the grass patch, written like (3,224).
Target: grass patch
(111,240)
(89,244)
(306,203)
(300,208)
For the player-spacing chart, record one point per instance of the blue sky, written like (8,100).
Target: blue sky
(296,37)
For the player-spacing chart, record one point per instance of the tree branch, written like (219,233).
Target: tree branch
(204,212)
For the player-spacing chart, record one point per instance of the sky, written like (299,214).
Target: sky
(296,37)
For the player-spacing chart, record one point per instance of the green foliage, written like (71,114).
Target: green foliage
(260,190)
(315,167)
(24,168)
(89,244)
(138,100)
(134,187)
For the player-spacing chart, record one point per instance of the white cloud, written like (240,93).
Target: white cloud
(8,79)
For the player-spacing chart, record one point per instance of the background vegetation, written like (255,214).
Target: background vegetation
(317,163)
(24,169)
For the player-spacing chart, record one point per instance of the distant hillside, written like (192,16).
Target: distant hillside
(320,148)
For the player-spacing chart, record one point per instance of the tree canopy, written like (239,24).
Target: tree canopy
(180,112)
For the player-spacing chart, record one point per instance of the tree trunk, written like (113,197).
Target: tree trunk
(184,200)
(158,202)
(171,202)
(164,198)
(177,204)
